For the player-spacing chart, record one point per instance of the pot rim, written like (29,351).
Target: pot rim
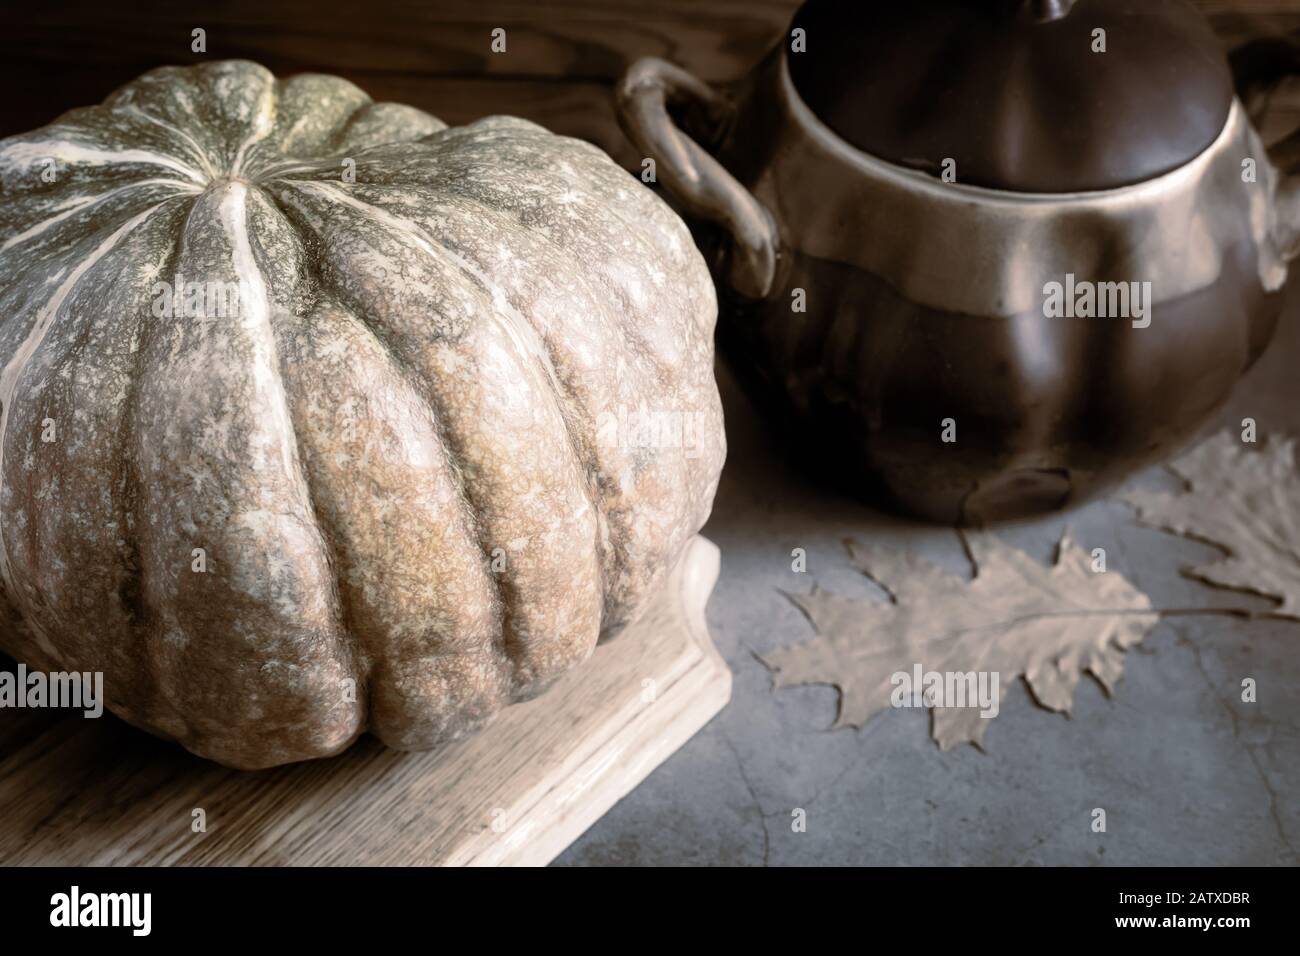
(875,166)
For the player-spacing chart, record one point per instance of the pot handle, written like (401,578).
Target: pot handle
(695,178)
(1258,67)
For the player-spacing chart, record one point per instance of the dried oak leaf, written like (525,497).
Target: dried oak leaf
(1244,502)
(1017,617)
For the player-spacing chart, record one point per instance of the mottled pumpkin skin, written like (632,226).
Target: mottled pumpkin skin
(409,457)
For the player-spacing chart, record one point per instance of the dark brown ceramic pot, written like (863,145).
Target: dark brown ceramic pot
(987,258)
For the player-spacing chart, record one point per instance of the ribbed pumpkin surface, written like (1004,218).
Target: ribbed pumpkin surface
(405,479)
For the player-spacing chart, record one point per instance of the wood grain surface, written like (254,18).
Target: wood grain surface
(97,792)
(561,58)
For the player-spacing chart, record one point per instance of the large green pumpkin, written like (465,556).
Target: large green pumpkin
(319,416)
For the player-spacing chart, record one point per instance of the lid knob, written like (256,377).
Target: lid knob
(1044,11)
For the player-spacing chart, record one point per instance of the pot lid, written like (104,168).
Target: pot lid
(1017,92)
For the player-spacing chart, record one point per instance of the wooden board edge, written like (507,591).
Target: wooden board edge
(571,806)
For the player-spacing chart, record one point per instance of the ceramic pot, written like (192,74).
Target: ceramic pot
(984,258)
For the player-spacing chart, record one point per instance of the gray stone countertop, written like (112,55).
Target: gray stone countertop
(1187,772)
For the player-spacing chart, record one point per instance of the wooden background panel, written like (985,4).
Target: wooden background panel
(560,61)
(561,58)
(591,40)
(1238,20)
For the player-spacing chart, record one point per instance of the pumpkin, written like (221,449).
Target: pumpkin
(318,415)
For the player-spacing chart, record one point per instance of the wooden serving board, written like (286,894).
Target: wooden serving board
(97,792)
